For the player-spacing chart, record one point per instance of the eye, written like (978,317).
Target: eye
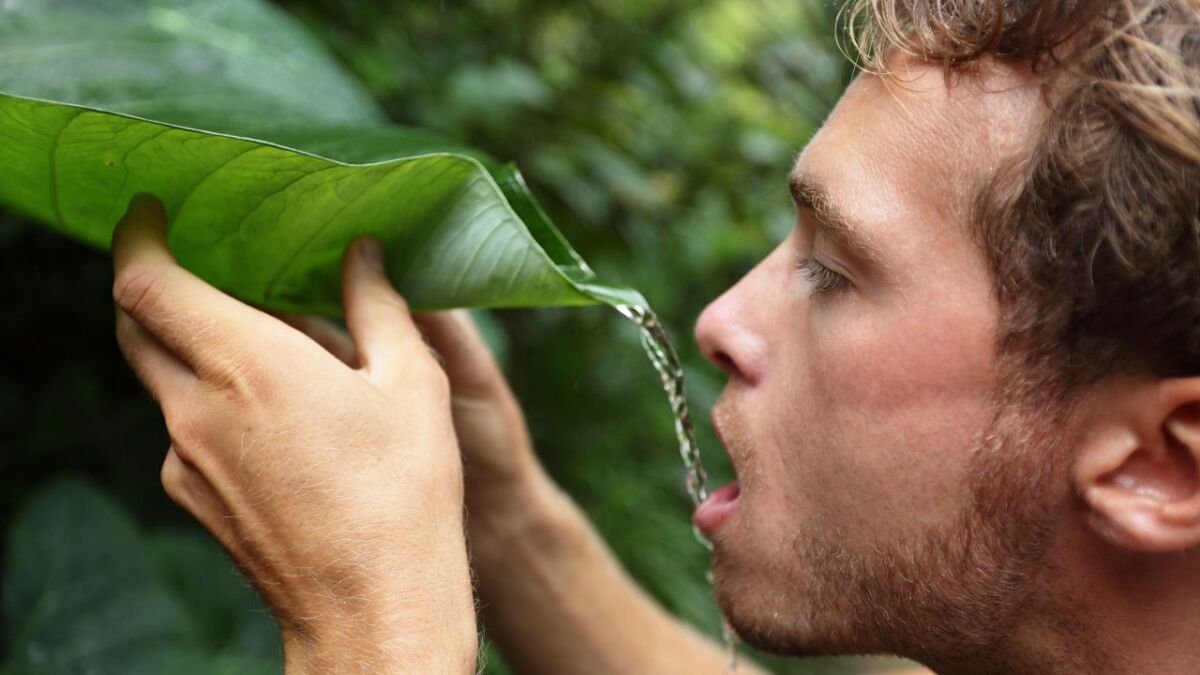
(823,279)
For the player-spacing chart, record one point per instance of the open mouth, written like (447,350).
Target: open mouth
(715,510)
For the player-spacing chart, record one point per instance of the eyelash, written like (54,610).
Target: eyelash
(823,279)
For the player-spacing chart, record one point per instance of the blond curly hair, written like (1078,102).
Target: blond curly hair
(1094,237)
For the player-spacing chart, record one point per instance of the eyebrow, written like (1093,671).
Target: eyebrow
(808,193)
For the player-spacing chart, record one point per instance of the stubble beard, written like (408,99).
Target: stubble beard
(949,597)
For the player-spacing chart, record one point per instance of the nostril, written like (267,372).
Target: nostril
(723,361)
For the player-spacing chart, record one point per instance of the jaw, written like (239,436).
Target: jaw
(961,596)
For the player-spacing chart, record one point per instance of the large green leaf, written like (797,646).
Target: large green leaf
(293,160)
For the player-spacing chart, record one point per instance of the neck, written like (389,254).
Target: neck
(1101,608)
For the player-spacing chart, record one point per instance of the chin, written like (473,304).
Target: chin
(757,592)
(779,597)
(754,610)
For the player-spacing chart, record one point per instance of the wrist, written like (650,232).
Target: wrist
(515,512)
(417,616)
(500,486)
(359,646)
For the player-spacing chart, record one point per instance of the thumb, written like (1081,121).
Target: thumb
(141,233)
(385,338)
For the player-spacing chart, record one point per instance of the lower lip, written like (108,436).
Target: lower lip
(716,509)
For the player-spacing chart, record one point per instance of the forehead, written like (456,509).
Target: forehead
(905,155)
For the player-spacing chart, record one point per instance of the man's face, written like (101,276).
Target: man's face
(861,412)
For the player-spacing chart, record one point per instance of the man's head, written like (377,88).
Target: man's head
(972,363)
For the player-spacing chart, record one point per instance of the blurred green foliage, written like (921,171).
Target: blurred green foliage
(657,134)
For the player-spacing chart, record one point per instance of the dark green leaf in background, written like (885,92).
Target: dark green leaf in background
(223,65)
(229,616)
(83,594)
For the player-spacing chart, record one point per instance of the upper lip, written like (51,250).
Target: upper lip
(715,418)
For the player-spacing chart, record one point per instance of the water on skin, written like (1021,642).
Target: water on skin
(670,370)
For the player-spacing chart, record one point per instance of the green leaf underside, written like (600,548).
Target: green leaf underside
(294,163)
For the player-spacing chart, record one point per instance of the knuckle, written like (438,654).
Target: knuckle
(138,288)
(237,372)
(391,301)
(241,377)
(185,433)
(431,377)
(247,381)
(126,331)
(173,475)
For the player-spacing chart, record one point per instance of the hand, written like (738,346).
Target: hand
(515,514)
(338,490)
(498,456)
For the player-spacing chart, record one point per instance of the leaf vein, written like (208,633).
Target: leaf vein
(55,197)
(212,172)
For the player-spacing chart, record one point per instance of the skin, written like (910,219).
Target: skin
(901,490)
(904,488)
(293,459)
(852,413)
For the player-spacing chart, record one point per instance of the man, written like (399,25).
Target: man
(963,402)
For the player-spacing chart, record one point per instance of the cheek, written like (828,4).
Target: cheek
(897,403)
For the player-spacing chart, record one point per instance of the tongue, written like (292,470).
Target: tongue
(716,509)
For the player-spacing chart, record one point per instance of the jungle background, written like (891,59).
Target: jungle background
(656,133)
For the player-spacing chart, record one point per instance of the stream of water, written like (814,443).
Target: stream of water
(670,370)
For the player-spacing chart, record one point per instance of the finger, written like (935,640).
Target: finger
(325,333)
(385,337)
(466,358)
(158,369)
(188,488)
(181,311)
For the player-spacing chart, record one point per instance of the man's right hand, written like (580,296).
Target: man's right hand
(506,489)
(338,490)
(498,456)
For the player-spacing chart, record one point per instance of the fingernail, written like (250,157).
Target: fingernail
(372,252)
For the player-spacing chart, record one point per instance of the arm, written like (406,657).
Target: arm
(556,600)
(553,596)
(335,486)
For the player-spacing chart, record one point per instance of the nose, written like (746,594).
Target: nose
(709,336)
(731,330)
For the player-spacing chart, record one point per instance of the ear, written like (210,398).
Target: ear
(1137,465)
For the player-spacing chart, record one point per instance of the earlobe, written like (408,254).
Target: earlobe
(1137,468)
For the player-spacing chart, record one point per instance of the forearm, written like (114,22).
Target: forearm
(556,600)
(417,616)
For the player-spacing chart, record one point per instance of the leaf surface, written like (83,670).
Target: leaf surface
(268,159)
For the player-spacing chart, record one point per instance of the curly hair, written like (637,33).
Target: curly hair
(1094,236)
